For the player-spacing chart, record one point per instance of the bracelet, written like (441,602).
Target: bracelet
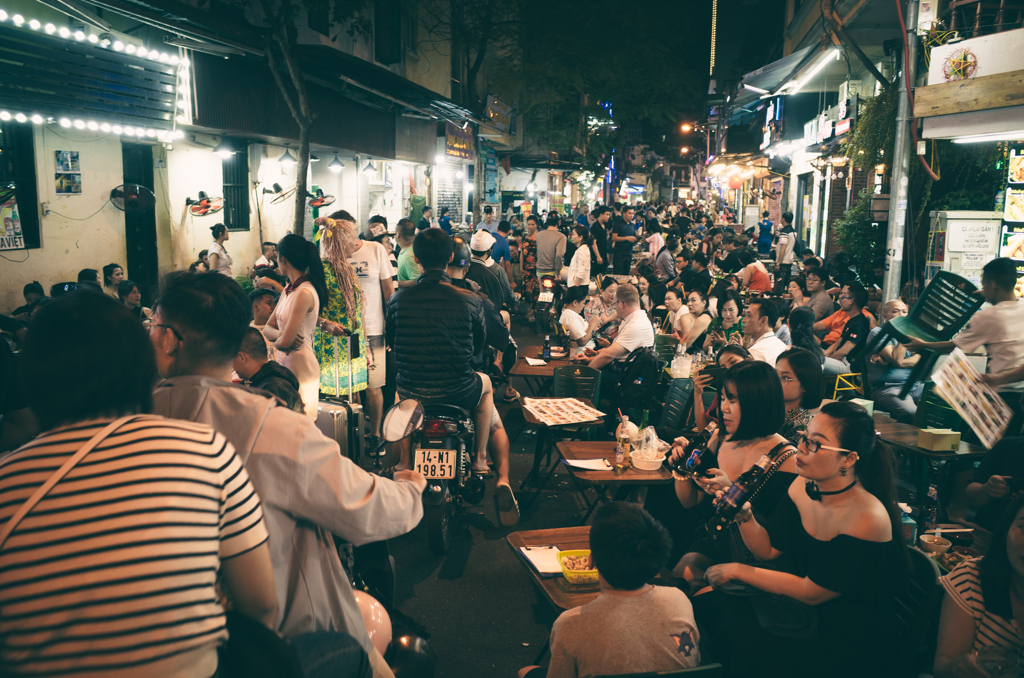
(750,516)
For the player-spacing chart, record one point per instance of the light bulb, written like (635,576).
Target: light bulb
(130,48)
(3,15)
(4,115)
(18,19)
(79,124)
(64,122)
(105,127)
(93,125)
(79,35)
(118,46)
(20,117)
(116,129)
(64,32)
(93,38)
(34,24)
(37,119)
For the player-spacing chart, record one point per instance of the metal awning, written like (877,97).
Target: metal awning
(770,78)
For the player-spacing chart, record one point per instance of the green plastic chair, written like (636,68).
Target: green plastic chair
(577,381)
(934,412)
(677,404)
(665,346)
(705,671)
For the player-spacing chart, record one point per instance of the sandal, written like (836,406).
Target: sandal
(508,507)
(510,398)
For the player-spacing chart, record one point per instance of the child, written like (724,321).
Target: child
(632,626)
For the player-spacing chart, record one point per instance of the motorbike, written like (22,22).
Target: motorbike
(442,442)
(551,291)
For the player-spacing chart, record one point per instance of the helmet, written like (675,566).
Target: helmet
(462,252)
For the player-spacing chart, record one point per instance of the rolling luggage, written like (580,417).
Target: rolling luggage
(342,419)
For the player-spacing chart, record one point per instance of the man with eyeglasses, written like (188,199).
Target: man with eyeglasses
(838,356)
(635,331)
(820,301)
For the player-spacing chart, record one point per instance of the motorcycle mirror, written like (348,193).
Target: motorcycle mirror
(402,419)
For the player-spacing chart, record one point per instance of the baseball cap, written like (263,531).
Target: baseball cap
(482,241)
(378,231)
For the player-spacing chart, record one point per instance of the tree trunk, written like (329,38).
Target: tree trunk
(301,172)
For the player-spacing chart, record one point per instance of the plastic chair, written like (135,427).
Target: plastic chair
(934,412)
(705,671)
(665,346)
(916,607)
(576,381)
(848,382)
(677,404)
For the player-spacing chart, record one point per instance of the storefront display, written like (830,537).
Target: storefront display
(1011,238)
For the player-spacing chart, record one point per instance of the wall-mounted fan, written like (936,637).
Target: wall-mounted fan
(280,194)
(132,198)
(320,200)
(205,205)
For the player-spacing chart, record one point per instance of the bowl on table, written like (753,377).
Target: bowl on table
(577,576)
(558,352)
(957,538)
(932,544)
(645,464)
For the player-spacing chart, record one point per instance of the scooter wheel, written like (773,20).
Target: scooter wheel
(438,518)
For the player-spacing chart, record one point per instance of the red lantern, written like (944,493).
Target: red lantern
(736,181)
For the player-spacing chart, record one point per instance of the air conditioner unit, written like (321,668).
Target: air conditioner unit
(885,68)
(850,88)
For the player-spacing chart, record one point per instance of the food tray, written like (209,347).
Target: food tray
(577,576)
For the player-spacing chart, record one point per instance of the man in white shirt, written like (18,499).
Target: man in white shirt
(269,257)
(1000,329)
(634,332)
(373,268)
(489,224)
(758,320)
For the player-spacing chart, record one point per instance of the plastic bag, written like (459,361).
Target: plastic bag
(649,446)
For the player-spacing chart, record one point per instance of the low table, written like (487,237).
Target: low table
(626,481)
(544,433)
(559,592)
(538,377)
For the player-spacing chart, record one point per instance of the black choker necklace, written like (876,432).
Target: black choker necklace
(816,494)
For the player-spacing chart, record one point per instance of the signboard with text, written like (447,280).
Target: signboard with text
(458,142)
(499,114)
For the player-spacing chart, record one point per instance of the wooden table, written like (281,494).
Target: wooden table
(904,438)
(544,433)
(626,481)
(538,377)
(559,592)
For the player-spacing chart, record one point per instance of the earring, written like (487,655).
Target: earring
(842,471)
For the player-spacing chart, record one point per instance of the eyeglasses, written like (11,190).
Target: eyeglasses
(787,380)
(176,335)
(813,446)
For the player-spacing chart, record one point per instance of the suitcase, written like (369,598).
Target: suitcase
(342,422)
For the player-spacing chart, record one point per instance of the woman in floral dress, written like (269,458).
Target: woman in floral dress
(345,309)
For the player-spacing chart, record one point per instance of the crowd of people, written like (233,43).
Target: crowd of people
(209,486)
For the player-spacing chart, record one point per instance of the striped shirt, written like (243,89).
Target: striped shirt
(114,572)
(963,586)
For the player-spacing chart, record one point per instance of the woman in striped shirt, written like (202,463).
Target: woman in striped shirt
(983,606)
(114,572)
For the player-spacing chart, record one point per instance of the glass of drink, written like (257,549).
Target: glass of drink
(998,662)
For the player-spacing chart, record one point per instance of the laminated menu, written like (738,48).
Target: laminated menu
(561,411)
(959,384)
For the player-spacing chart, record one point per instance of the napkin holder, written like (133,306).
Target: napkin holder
(938,439)
(868,405)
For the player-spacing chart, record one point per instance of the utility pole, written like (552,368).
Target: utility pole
(900,166)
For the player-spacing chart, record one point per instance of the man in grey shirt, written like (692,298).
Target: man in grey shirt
(665,262)
(309,491)
(550,249)
(488,224)
(820,301)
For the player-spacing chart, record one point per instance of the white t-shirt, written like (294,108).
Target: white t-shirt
(634,332)
(675,318)
(573,323)
(372,265)
(1000,329)
(767,349)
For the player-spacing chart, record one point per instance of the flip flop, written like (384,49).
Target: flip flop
(508,508)
(486,475)
(510,398)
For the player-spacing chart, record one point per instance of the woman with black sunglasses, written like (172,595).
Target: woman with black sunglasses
(839,528)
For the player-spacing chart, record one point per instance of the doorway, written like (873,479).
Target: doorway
(140,227)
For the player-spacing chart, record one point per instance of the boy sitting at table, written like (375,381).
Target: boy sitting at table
(632,626)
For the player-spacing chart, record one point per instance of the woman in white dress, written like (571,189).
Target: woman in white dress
(218,256)
(580,331)
(579,267)
(294,321)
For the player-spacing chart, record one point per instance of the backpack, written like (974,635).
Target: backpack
(799,246)
(638,375)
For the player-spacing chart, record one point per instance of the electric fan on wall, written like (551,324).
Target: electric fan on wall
(320,200)
(132,198)
(204,206)
(280,194)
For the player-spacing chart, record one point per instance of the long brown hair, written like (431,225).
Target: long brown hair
(335,234)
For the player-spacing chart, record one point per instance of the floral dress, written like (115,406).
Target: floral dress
(332,352)
(795,423)
(596,308)
(528,265)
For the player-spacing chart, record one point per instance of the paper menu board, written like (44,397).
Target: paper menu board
(984,410)
(1016,167)
(1014,210)
(1011,242)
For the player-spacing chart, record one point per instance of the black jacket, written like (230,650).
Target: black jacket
(278,380)
(435,329)
(497,334)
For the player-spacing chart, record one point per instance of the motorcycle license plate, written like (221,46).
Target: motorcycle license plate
(546,297)
(436,464)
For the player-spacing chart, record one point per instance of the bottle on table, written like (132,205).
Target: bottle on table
(741,490)
(546,354)
(930,511)
(696,458)
(622,443)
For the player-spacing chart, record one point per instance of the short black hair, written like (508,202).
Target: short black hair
(766,308)
(254,344)
(815,271)
(734,349)
(787,217)
(757,387)
(700,258)
(258,294)
(504,227)
(33,288)
(626,208)
(108,370)
(672,242)
(210,311)
(405,229)
(88,275)
(433,248)
(534,218)
(428,208)
(747,257)
(268,244)
(627,545)
(1002,272)
(599,210)
(124,288)
(859,294)
(807,368)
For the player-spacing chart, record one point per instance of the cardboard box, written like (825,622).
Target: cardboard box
(868,405)
(938,439)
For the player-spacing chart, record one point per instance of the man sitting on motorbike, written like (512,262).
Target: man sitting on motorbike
(499,339)
(435,329)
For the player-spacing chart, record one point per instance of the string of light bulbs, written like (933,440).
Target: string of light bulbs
(107,41)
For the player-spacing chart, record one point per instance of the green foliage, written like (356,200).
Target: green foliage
(858,235)
(874,138)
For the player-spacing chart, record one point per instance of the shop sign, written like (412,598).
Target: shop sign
(773,118)
(458,142)
(11,237)
(499,114)
(825,128)
(843,126)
